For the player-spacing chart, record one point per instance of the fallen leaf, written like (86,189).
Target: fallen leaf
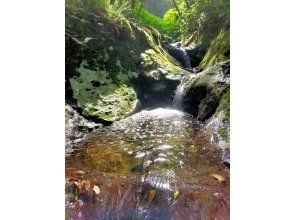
(151,195)
(86,184)
(79,185)
(96,189)
(176,194)
(218,177)
(80,172)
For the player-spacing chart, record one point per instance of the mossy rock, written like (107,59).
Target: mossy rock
(219,49)
(116,53)
(219,124)
(203,94)
(99,95)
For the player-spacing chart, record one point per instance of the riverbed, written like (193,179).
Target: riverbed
(156,164)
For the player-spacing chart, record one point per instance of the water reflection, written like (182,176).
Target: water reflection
(141,161)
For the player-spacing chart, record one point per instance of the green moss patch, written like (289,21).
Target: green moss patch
(99,95)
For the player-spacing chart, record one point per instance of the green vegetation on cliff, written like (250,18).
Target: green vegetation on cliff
(112,44)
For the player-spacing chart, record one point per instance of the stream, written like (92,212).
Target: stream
(155,164)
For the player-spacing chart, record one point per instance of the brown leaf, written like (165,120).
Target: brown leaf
(218,177)
(86,184)
(151,195)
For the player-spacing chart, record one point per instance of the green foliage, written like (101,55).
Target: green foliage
(93,3)
(158,7)
(171,17)
(202,18)
(149,19)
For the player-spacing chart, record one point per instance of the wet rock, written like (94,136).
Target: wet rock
(190,56)
(162,179)
(218,50)
(155,88)
(76,126)
(219,126)
(202,96)
(104,61)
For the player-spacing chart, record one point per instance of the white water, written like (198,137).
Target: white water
(185,56)
(180,91)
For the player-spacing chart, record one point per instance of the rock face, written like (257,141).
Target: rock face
(207,96)
(154,88)
(107,59)
(75,125)
(189,56)
(203,94)
(100,95)
(219,49)
(219,125)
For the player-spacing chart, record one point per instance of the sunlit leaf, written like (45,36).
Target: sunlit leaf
(218,177)
(80,172)
(96,189)
(79,185)
(176,194)
(86,184)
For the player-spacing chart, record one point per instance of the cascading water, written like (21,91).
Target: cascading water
(182,55)
(186,59)
(180,91)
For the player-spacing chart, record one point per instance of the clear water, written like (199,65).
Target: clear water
(156,164)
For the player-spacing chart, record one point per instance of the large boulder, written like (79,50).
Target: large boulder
(219,126)
(203,94)
(207,96)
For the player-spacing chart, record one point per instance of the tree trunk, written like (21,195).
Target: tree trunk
(133,4)
(178,10)
(187,4)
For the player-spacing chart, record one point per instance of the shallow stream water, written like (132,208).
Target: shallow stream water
(156,164)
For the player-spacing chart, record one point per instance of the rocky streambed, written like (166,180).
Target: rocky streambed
(156,164)
(147,122)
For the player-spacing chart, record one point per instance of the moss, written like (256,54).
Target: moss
(115,51)
(110,101)
(224,104)
(223,116)
(218,50)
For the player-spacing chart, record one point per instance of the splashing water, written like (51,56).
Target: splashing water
(186,61)
(180,91)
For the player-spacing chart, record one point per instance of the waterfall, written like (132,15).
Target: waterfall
(180,91)
(186,58)
(180,53)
